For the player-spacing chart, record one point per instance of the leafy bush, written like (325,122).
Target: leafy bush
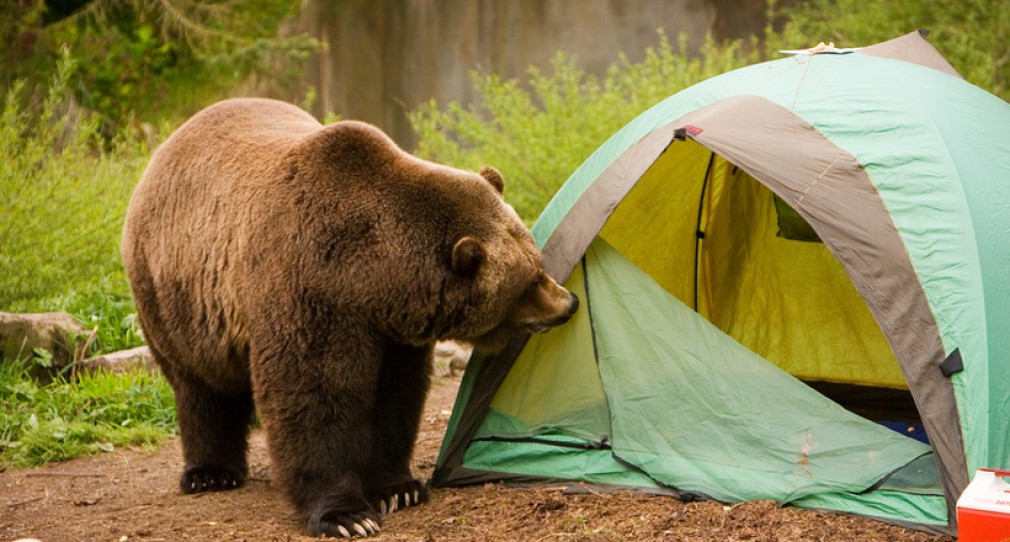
(64,200)
(150,60)
(96,413)
(973,36)
(539,132)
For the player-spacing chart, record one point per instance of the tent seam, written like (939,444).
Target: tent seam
(817,180)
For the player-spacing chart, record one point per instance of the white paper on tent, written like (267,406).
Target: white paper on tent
(821,49)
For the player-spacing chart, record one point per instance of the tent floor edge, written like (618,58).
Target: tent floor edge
(463,476)
(938,530)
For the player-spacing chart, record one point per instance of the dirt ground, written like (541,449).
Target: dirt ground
(131,495)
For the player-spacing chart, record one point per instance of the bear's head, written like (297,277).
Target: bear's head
(509,294)
(443,256)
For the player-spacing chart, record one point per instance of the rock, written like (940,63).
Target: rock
(451,358)
(118,362)
(56,332)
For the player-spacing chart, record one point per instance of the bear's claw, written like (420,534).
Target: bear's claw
(210,478)
(349,526)
(401,496)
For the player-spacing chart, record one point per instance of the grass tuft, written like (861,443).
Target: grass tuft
(93,414)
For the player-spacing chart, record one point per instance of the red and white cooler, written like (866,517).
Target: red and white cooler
(983,510)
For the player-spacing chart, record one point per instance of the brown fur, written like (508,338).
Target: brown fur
(308,270)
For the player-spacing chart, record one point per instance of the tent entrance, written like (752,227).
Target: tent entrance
(724,244)
(790,302)
(642,391)
(893,407)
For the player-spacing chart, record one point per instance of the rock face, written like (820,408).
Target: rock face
(56,332)
(59,333)
(386,56)
(124,360)
(451,358)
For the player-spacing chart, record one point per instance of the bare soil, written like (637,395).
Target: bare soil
(132,495)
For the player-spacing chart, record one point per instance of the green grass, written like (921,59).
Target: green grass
(95,413)
(112,316)
(65,190)
(65,196)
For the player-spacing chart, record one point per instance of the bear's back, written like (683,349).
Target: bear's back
(242,133)
(209,172)
(246,119)
(187,225)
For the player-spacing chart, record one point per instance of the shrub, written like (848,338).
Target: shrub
(64,199)
(539,132)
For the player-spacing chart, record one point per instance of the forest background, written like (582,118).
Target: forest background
(90,87)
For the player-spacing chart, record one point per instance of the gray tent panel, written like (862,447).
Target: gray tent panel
(832,192)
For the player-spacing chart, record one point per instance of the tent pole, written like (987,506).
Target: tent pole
(698,233)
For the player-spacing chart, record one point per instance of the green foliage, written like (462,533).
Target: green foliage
(96,413)
(150,60)
(134,74)
(17,18)
(537,133)
(42,357)
(974,36)
(64,200)
(112,315)
(309,101)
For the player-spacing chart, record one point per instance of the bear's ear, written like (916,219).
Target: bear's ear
(494,177)
(467,256)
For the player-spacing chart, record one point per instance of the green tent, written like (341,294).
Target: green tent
(779,266)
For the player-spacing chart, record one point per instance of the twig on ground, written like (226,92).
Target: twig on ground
(65,474)
(604,496)
(26,501)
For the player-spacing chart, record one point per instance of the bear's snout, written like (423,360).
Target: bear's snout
(554,306)
(566,315)
(573,306)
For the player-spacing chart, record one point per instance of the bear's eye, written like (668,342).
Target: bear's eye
(531,290)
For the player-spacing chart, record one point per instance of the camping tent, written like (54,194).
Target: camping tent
(779,266)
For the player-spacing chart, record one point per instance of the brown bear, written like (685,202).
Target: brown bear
(306,271)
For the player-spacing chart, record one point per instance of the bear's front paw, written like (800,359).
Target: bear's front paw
(210,478)
(399,496)
(346,524)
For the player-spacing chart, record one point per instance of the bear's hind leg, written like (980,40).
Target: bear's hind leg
(402,387)
(214,427)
